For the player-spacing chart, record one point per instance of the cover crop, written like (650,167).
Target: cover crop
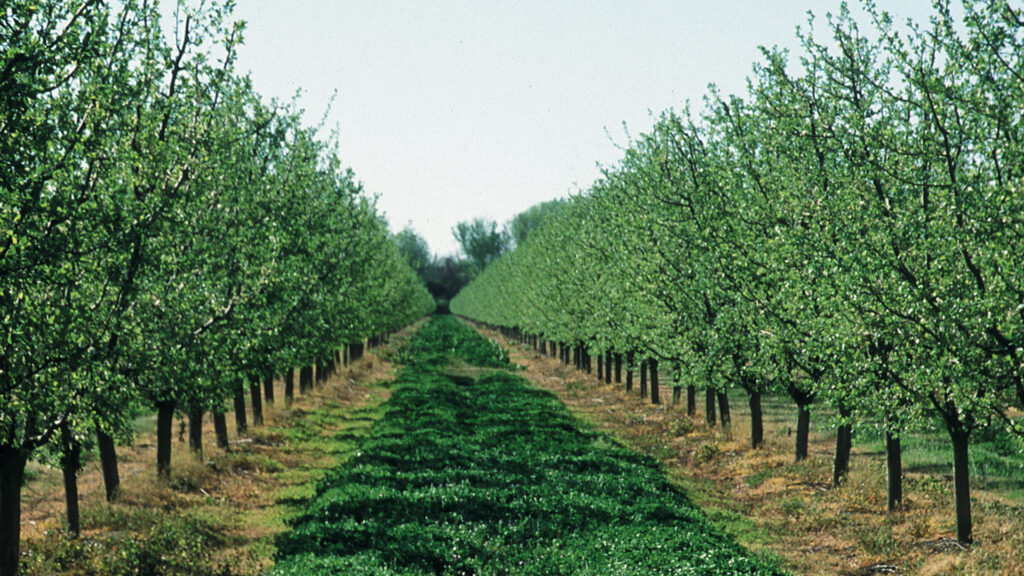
(491,476)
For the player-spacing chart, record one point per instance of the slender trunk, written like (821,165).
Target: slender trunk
(655,394)
(643,378)
(600,367)
(108,464)
(691,400)
(268,387)
(618,368)
(677,395)
(220,430)
(164,426)
(608,367)
(841,463)
(344,356)
(725,416)
(803,428)
(961,482)
(70,462)
(257,402)
(195,431)
(12,474)
(803,400)
(306,379)
(289,386)
(587,364)
(542,347)
(630,358)
(709,406)
(893,471)
(756,419)
(241,426)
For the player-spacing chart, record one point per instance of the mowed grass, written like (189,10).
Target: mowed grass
(483,474)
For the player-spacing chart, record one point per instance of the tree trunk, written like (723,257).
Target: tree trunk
(305,379)
(709,406)
(630,358)
(220,430)
(961,482)
(655,394)
(70,462)
(600,367)
(677,395)
(803,400)
(618,368)
(241,426)
(268,387)
(725,416)
(164,429)
(691,400)
(841,463)
(257,402)
(643,378)
(108,464)
(195,431)
(893,471)
(289,386)
(756,419)
(803,428)
(12,474)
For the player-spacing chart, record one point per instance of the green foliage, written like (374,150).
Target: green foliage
(490,476)
(848,231)
(481,241)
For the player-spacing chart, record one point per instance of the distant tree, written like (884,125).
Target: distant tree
(532,218)
(481,241)
(414,249)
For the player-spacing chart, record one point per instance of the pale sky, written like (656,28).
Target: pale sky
(460,109)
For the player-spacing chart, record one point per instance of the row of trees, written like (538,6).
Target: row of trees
(166,236)
(847,232)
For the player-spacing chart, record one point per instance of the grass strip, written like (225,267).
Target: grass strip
(490,476)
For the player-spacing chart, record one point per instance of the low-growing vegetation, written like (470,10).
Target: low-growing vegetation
(487,475)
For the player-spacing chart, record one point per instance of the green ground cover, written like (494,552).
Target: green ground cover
(486,475)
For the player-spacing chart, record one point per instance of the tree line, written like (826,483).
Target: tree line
(847,232)
(168,238)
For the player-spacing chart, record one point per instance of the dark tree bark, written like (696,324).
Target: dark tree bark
(268,387)
(960,436)
(12,474)
(643,378)
(803,400)
(305,379)
(289,386)
(108,464)
(257,402)
(893,471)
(677,395)
(725,415)
(600,367)
(709,406)
(241,425)
(70,463)
(756,419)
(844,444)
(630,358)
(618,368)
(608,367)
(164,430)
(803,427)
(655,393)
(691,400)
(220,430)
(195,431)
